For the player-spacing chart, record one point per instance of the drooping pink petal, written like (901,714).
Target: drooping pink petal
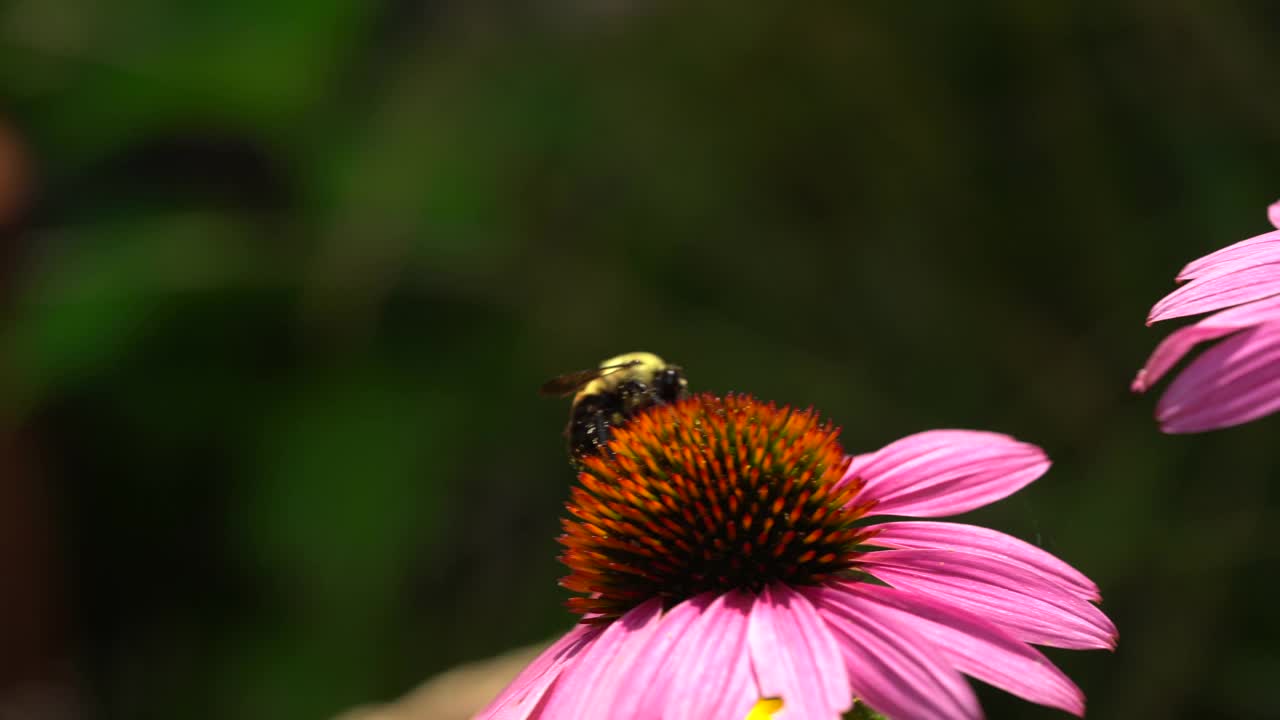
(945,472)
(1030,606)
(522,696)
(1235,381)
(740,692)
(925,535)
(705,664)
(601,672)
(972,645)
(892,667)
(1219,290)
(645,685)
(1181,341)
(1258,250)
(793,652)
(1273,214)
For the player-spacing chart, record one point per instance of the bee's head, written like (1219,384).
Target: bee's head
(669,383)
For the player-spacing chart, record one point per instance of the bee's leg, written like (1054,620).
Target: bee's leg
(589,426)
(601,435)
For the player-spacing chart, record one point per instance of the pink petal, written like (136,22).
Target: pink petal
(522,696)
(925,535)
(1243,283)
(1031,607)
(945,472)
(892,668)
(1258,250)
(601,673)
(792,652)
(973,645)
(740,693)
(644,686)
(1233,382)
(1180,342)
(708,663)
(1273,214)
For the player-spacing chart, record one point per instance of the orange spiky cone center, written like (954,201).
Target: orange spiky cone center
(709,494)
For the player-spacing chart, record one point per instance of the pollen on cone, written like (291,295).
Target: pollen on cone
(704,494)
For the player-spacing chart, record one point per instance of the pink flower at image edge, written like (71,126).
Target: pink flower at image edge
(952,600)
(1237,379)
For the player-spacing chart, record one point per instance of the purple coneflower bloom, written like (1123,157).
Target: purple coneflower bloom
(1238,379)
(726,574)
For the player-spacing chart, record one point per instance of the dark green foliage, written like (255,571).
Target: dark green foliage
(296,269)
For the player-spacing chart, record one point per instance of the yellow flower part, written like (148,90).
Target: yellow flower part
(764,709)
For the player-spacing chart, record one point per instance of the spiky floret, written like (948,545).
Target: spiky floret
(709,494)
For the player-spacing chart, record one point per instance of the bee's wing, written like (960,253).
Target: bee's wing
(570,383)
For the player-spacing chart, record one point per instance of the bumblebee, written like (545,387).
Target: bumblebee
(607,396)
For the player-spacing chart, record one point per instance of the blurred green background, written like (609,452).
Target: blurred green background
(280,280)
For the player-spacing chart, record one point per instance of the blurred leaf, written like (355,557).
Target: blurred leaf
(352,465)
(150,64)
(354,469)
(100,289)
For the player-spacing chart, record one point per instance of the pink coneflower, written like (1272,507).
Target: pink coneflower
(1238,379)
(725,573)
